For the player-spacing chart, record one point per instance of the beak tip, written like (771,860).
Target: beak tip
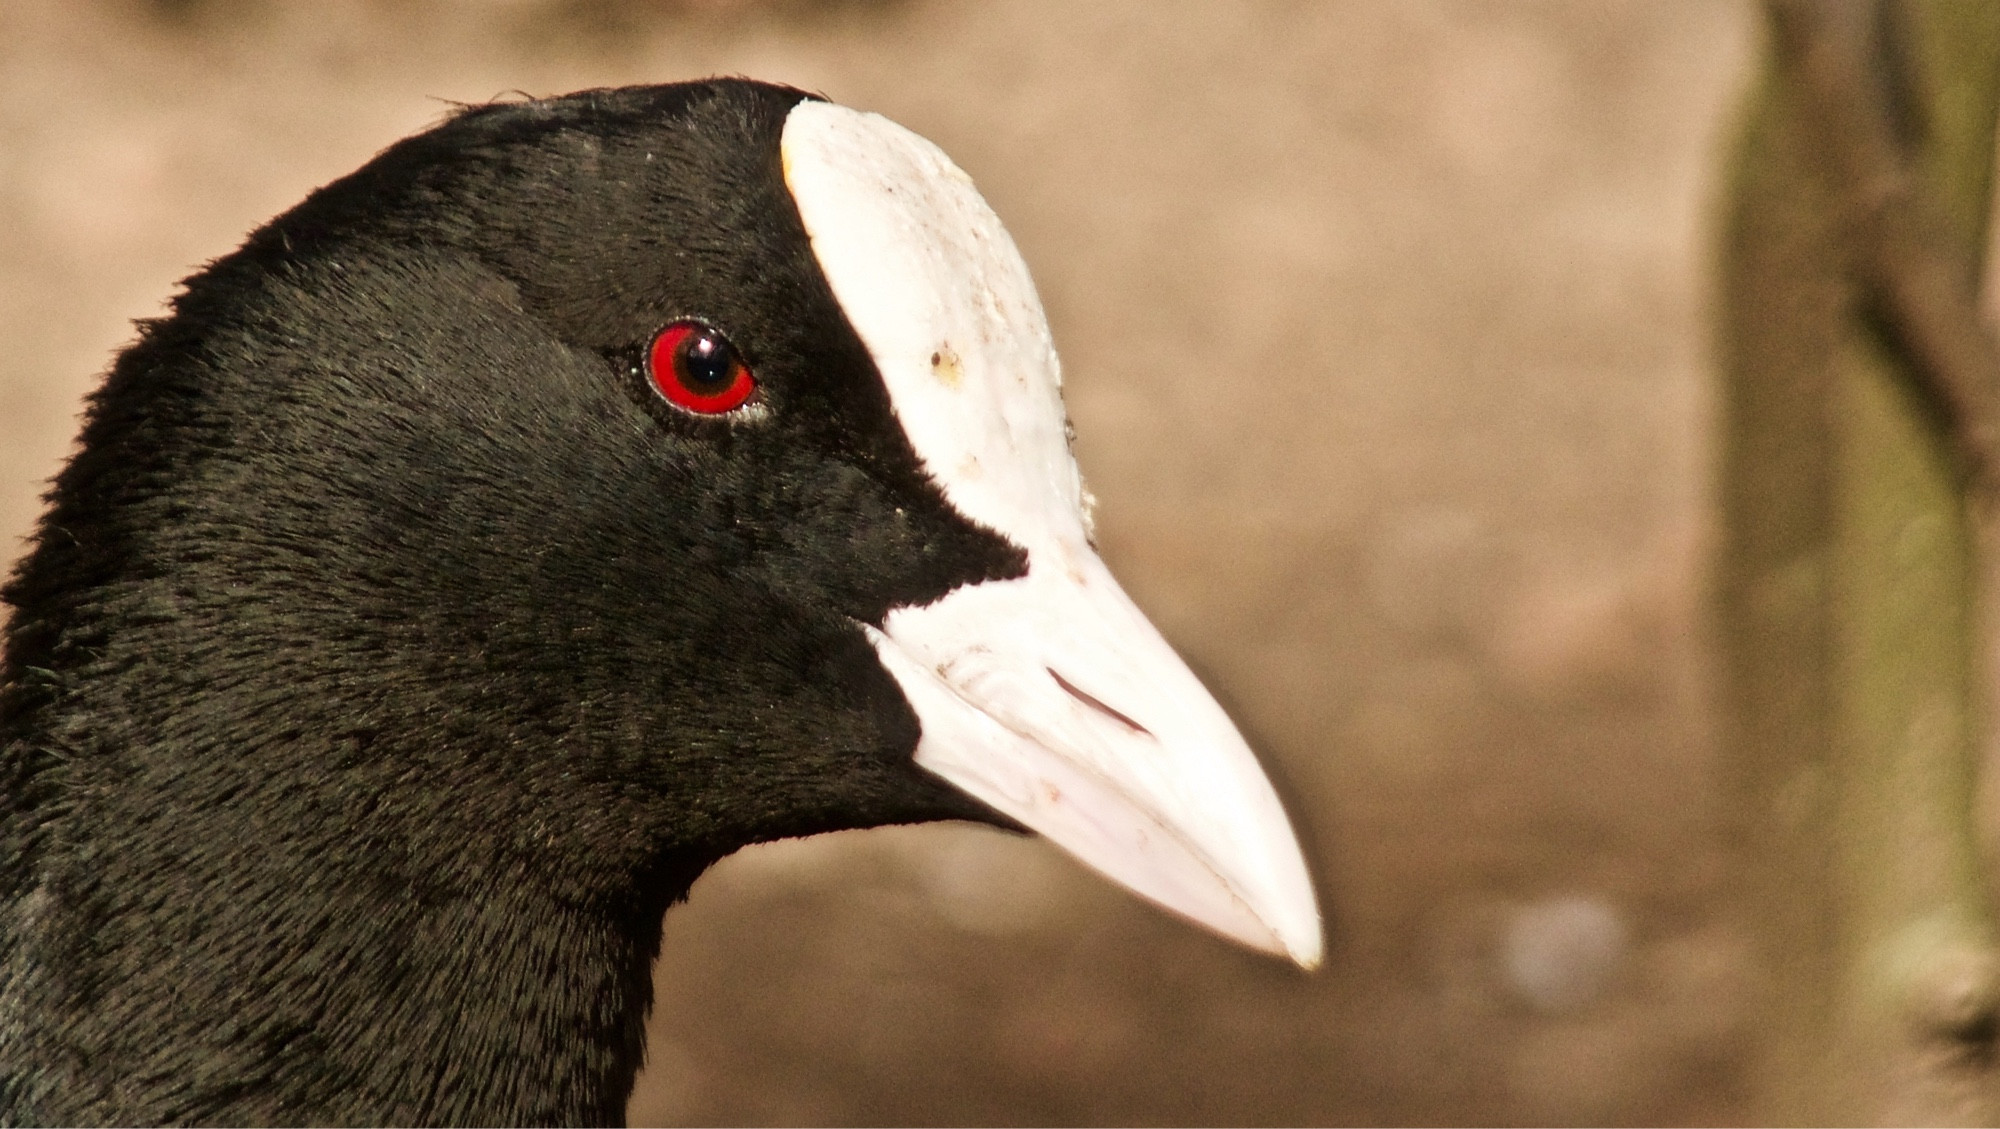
(1302,942)
(1281,899)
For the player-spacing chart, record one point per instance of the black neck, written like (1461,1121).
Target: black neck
(259,990)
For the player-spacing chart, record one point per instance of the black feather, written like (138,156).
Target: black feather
(384,666)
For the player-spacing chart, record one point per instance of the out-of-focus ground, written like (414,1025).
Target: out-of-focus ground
(1386,334)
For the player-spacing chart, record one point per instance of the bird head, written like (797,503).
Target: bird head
(660,469)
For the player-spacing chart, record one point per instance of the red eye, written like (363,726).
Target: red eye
(695,367)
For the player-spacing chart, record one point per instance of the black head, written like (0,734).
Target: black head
(411,453)
(551,507)
(385,591)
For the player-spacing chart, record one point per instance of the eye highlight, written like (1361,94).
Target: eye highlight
(696,368)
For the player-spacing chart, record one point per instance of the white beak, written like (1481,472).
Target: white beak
(1053,699)
(1049,696)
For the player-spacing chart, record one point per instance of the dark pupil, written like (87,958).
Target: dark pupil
(707,362)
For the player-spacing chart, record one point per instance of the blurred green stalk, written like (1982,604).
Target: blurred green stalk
(1855,584)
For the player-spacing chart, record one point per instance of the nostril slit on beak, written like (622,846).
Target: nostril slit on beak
(1093,703)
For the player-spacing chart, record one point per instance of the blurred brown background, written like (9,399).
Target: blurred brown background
(1387,337)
